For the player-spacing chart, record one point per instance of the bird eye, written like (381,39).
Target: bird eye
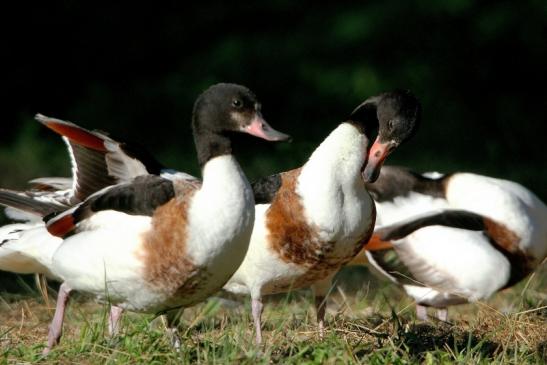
(236,103)
(390,124)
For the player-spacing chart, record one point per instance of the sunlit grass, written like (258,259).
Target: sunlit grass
(368,322)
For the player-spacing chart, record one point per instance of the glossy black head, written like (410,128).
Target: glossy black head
(225,108)
(397,115)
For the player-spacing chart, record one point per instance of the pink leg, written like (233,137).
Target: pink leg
(114,320)
(421,312)
(320,308)
(320,291)
(257,307)
(442,314)
(174,337)
(56,326)
(172,320)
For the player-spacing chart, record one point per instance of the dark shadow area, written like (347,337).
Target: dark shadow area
(477,67)
(542,351)
(421,338)
(415,340)
(15,283)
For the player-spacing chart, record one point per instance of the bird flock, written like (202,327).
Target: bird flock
(146,238)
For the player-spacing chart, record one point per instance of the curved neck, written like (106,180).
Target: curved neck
(340,157)
(331,187)
(365,117)
(210,145)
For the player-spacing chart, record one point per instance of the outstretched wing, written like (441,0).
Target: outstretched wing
(50,184)
(99,161)
(23,202)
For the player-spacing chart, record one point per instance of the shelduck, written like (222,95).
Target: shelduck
(455,238)
(154,244)
(312,220)
(97,162)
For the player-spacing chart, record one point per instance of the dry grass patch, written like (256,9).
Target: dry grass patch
(373,323)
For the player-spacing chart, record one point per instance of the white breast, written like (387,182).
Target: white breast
(262,266)
(336,206)
(221,219)
(332,191)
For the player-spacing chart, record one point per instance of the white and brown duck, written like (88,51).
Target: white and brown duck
(97,162)
(313,220)
(455,238)
(155,244)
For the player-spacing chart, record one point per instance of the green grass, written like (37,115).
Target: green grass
(368,322)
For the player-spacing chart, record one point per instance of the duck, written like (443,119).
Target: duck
(97,162)
(154,244)
(312,220)
(455,238)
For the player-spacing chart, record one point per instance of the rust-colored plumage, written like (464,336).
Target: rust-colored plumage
(166,262)
(297,242)
(61,227)
(74,133)
(376,244)
(501,235)
(507,242)
(289,233)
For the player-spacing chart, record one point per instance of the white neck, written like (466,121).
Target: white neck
(337,161)
(225,188)
(221,173)
(330,183)
(223,208)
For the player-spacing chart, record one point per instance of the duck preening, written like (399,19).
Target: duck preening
(312,220)
(150,243)
(457,238)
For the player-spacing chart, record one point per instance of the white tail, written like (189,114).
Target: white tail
(27,248)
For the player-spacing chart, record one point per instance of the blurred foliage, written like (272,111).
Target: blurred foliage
(134,70)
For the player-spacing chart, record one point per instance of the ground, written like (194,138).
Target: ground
(368,322)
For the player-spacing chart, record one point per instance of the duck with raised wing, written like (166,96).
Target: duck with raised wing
(455,238)
(313,220)
(97,162)
(155,244)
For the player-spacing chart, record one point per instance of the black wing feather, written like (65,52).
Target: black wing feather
(450,218)
(397,181)
(140,197)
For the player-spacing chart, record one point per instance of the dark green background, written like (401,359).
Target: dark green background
(135,70)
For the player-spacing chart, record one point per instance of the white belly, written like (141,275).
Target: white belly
(457,261)
(106,262)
